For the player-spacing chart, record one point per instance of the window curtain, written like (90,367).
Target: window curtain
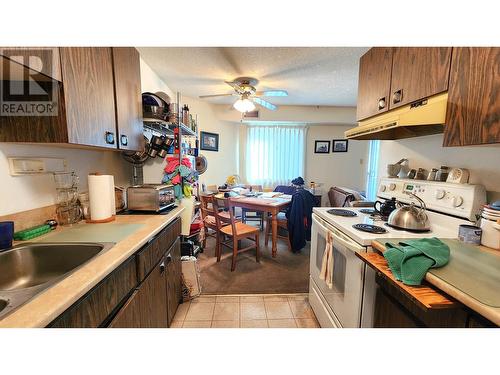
(275,154)
(372,171)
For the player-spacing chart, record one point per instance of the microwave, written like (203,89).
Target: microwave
(153,198)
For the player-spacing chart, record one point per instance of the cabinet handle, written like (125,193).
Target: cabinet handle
(381,103)
(162,267)
(397,96)
(110,138)
(169,258)
(124,140)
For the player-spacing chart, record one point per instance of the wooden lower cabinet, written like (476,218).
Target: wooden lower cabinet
(147,306)
(174,279)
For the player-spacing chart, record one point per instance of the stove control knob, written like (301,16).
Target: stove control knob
(382,187)
(392,187)
(439,194)
(457,201)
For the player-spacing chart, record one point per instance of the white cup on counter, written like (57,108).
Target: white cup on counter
(491,233)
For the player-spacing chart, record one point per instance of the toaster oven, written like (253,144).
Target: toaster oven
(150,197)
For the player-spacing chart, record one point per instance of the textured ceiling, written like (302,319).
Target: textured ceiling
(326,76)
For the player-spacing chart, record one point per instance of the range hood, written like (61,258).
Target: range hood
(425,117)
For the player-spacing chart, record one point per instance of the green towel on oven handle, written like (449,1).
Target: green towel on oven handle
(410,260)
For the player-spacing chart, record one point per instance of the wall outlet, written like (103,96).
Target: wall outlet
(21,166)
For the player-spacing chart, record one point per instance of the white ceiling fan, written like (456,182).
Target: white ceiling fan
(244,87)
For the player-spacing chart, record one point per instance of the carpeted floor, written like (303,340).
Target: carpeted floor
(287,273)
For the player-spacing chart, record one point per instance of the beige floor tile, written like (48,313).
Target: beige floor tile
(181,312)
(225,324)
(307,323)
(203,299)
(278,310)
(197,324)
(251,299)
(301,309)
(298,297)
(275,298)
(200,311)
(252,311)
(254,323)
(282,323)
(227,311)
(227,299)
(176,324)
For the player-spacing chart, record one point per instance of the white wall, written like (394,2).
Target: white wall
(427,152)
(347,169)
(22,193)
(222,163)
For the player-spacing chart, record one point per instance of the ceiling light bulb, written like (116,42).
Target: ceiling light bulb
(244,105)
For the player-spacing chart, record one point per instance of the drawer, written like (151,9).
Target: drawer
(94,307)
(151,253)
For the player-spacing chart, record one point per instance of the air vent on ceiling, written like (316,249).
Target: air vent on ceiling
(251,114)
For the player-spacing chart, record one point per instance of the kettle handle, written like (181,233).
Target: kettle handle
(422,203)
(375,206)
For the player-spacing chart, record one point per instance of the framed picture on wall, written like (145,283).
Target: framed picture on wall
(339,145)
(322,147)
(209,141)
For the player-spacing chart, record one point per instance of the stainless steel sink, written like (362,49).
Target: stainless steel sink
(28,269)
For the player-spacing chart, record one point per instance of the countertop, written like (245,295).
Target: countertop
(491,313)
(50,303)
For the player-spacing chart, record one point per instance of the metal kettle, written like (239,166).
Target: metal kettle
(410,217)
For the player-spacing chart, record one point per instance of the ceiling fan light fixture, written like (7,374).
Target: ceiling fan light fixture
(244,105)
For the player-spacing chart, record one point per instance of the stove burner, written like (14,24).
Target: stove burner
(338,212)
(369,228)
(408,230)
(368,211)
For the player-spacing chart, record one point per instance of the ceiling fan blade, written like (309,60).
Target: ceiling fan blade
(233,84)
(272,93)
(214,96)
(264,103)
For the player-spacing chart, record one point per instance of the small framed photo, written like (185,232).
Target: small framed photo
(209,141)
(322,147)
(339,145)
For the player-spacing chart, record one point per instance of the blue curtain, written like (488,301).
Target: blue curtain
(372,170)
(274,154)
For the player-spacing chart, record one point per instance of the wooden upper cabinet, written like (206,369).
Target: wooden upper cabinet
(89,96)
(374,82)
(417,73)
(45,60)
(128,98)
(473,112)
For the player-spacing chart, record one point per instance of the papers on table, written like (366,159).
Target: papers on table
(271,194)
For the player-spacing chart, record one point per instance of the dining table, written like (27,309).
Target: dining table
(271,206)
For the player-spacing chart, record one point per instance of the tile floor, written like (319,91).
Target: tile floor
(246,311)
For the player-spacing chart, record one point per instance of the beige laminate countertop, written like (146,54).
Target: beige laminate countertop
(491,313)
(49,304)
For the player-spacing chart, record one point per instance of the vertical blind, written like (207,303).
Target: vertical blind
(274,154)
(372,170)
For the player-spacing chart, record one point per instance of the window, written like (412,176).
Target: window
(274,154)
(372,170)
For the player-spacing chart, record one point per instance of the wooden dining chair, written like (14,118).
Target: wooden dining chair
(249,215)
(283,224)
(235,231)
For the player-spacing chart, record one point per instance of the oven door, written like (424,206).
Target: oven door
(345,297)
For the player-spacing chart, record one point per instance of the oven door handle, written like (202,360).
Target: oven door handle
(350,244)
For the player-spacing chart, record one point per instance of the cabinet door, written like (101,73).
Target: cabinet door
(418,73)
(374,84)
(89,96)
(147,307)
(174,279)
(472,115)
(127,78)
(45,60)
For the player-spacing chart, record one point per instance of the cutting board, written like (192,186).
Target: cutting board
(472,270)
(106,232)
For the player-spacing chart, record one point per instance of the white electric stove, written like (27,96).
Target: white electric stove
(350,301)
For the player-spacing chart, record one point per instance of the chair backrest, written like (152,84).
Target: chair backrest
(339,197)
(285,189)
(208,207)
(221,218)
(212,188)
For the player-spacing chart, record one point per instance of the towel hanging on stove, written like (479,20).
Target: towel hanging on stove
(327,263)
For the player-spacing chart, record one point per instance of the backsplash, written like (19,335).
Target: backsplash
(23,193)
(428,152)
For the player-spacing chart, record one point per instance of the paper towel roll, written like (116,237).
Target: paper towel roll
(100,187)
(112,199)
